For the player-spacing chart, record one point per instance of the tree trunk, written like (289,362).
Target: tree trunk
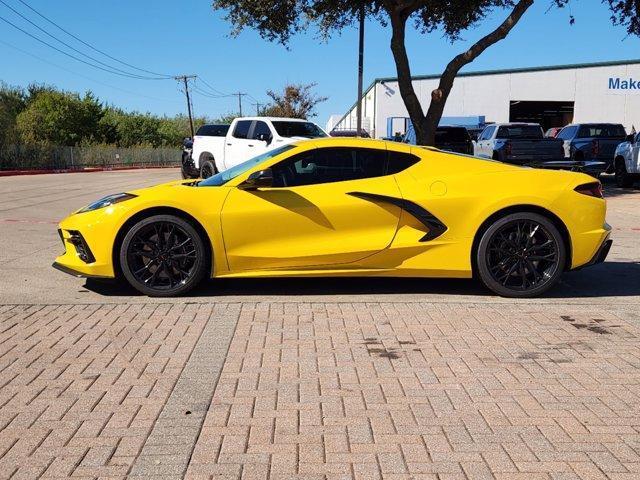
(403,69)
(426,125)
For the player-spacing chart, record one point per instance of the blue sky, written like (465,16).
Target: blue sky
(189,37)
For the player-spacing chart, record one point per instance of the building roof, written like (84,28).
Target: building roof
(505,71)
(542,68)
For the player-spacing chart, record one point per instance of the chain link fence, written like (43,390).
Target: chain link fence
(37,157)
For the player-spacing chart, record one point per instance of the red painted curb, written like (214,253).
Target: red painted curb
(11,173)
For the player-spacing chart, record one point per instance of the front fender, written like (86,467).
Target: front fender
(100,228)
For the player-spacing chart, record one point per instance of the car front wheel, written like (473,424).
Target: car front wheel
(163,256)
(521,255)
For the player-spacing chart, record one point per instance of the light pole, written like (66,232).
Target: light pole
(360,69)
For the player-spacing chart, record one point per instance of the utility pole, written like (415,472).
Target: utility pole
(240,95)
(360,70)
(185,79)
(258,105)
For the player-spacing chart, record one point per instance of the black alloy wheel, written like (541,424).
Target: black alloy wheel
(163,256)
(521,255)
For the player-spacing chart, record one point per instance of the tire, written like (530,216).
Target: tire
(163,256)
(208,169)
(623,179)
(521,255)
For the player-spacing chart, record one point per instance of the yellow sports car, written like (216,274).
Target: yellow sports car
(346,207)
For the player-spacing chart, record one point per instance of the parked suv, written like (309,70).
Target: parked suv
(248,137)
(592,142)
(518,143)
(626,162)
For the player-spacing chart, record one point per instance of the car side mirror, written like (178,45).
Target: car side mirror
(263,137)
(259,179)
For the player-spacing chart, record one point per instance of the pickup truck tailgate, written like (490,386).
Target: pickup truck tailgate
(523,151)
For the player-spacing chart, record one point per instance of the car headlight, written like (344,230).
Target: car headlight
(107,202)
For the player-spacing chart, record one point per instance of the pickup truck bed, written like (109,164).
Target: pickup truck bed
(518,143)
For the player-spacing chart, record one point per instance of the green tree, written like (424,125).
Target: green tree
(296,101)
(60,118)
(278,21)
(12,101)
(225,119)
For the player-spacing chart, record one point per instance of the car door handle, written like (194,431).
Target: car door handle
(229,144)
(250,146)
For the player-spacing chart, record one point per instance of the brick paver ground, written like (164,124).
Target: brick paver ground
(425,391)
(81,387)
(326,390)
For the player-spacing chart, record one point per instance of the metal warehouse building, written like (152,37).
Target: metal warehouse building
(552,96)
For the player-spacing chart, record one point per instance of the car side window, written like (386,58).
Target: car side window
(484,134)
(637,140)
(488,133)
(399,161)
(566,133)
(242,129)
(327,165)
(261,131)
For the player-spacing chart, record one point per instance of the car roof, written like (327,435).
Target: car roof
(275,119)
(516,124)
(593,123)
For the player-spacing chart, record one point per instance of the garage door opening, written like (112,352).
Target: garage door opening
(547,114)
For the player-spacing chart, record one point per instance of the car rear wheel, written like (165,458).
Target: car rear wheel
(163,256)
(208,169)
(521,255)
(623,179)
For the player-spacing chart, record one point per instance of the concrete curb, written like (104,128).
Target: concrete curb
(11,173)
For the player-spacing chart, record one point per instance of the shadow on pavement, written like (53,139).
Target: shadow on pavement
(308,286)
(610,279)
(611,190)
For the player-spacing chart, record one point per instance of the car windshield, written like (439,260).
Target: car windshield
(223,177)
(298,129)
(519,131)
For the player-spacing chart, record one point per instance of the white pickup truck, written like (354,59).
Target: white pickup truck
(626,161)
(248,137)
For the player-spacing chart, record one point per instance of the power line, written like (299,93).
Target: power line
(73,56)
(213,89)
(208,95)
(88,44)
(83,76)
(73,48)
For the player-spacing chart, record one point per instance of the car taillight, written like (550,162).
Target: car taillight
(595,148)
(507,148)
(593,189)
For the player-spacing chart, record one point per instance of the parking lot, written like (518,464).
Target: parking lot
(312,378)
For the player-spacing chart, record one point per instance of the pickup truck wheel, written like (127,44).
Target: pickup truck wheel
(208,169)
(623,179)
